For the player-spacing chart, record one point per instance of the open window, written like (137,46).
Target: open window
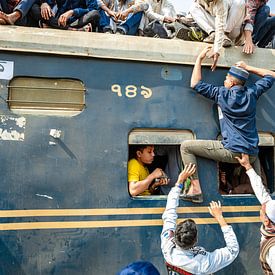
(46,96)
(166,146)
(233,179)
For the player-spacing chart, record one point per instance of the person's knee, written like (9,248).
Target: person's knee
(185,145)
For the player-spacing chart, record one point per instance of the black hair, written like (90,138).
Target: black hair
(134,148)
(186,234)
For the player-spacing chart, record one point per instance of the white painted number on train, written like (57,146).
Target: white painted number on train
(132,91)
(6,70)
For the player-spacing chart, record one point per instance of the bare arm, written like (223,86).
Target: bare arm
(258,71)
(248,47)
(196,74)
(137,187)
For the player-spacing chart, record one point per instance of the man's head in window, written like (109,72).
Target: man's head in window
(140,180)
(144,153)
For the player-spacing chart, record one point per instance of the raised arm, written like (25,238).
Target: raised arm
(170,215)
(196,74)
(258,71)
(221,257)
(255,180)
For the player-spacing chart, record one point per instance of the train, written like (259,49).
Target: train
(72,104)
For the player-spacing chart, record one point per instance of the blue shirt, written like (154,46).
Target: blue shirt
(237,113)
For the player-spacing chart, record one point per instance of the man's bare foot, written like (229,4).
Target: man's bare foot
(10,19)
(2,22)
(195,187)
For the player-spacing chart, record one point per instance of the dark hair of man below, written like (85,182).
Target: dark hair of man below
(186,234)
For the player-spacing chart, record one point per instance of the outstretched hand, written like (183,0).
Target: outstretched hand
(241,64)
(215,209)
(215,57)
(204,52)
(244,161)
(188,171)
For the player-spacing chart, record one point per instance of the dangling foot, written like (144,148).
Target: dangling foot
(2,22)
(194,193)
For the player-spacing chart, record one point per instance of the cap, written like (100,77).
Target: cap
(239,73)
(139,268)
(270,210)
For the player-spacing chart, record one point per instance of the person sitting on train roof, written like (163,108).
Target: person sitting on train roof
(121,16)
(140,181)
(162,11)
(267,217)
(237,117)
(69,14)
(259,26)
(178,241)
(15,12)
(222,20)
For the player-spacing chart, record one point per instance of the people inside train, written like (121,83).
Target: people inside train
(69,14)
(16,12)
(259,26)
(222,20)
(237,118)
(171,163)
(234,180)
(121,16)
(179,241)
(267,217)
(140,181)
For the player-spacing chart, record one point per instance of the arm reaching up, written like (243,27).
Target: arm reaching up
(255,180)
(196,74)
(258,71)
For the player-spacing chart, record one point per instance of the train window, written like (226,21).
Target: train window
(46,96)
(233,179)
(165,145)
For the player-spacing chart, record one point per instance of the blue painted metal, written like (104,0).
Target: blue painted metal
(87,169)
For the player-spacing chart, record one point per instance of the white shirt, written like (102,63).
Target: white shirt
(159,9)
(196,260)
(219,9)
(263,197)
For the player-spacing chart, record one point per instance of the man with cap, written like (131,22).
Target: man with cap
(237,117)
(267,217)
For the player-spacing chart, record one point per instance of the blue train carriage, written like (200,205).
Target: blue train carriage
(72,105)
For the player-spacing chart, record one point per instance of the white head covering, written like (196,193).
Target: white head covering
(270,210)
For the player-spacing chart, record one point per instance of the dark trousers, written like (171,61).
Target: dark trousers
(264,27)
(90,17)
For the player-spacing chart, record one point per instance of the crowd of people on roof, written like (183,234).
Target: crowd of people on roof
(222,22)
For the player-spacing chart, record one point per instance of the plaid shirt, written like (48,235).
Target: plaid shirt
(252,7)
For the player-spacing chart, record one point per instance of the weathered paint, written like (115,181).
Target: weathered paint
(12,128)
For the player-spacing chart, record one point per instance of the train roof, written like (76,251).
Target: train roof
(98,45)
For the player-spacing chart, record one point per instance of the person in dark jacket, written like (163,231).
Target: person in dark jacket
(70,14)
(237,116)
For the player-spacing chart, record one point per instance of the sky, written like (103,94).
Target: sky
(183,5)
